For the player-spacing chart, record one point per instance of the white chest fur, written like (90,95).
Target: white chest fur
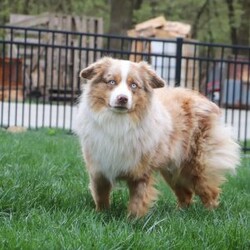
(114,142)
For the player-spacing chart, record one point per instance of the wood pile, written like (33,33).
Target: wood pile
(55,21)
(51,58)
(163,29)
(159,27)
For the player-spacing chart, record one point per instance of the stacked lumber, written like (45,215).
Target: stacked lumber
(52,59)
(159,27)
(164,64)
(57,21)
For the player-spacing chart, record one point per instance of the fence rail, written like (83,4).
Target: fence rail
(39,69)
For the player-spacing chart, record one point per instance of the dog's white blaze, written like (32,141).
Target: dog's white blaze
(122,88)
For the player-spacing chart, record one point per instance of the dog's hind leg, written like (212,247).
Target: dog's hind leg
(198,180)
(100,188)
(142,194)
(208,193)
(184,196)
(183,192)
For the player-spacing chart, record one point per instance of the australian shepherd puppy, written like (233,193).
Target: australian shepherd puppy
(131,125)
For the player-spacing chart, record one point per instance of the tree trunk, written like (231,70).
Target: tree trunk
(244,29)
(240,36)
(231,17)
(198,17)
(121,16)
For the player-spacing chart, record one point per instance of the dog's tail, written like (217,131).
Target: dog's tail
(222,155)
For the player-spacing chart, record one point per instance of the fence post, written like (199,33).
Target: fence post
(179,43)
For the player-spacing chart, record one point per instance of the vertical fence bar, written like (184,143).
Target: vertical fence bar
(168,76)
(80,65)
(45,87)
(3,80)
(227,92)
(17,78)
(179,44)
(59,79)
(51,77)
(246,146)
(207,69)
(221,77)
(213,80)
(122,47)
(199,77)
(10,77)
(193,69)
(66,78)
(235,66)
(186,79)
(30,85)
(24,87)
(38,83)
(72,87)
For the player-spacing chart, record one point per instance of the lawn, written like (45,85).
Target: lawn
(45,204)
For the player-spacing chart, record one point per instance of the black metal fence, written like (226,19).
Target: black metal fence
(39,69)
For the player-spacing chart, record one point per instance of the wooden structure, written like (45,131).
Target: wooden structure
(160,28)
(51,62)
(11,79)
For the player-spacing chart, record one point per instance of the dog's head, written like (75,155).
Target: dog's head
(119,85)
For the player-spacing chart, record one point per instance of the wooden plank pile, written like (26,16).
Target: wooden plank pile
(53,66)
(163,29)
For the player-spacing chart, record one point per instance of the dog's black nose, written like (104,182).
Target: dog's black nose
(122,99)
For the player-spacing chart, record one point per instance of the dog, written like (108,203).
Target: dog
(130,125)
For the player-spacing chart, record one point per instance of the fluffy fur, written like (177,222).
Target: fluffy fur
(131,125)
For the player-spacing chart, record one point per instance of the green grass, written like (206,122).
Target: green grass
(45,204)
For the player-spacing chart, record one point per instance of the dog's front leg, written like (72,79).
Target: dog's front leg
(100,188)
(142,194)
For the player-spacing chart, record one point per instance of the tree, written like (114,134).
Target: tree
(197,18)
(232,22)
(244,28)
(121,18)
(239,31)
(121,15)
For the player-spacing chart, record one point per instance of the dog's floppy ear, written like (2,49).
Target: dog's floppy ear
(94,69)
(88,72)
(153,79)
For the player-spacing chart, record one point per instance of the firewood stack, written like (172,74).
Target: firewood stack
(159,27)
(160,50)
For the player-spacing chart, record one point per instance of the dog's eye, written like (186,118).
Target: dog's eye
(133,86)
(112,82)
